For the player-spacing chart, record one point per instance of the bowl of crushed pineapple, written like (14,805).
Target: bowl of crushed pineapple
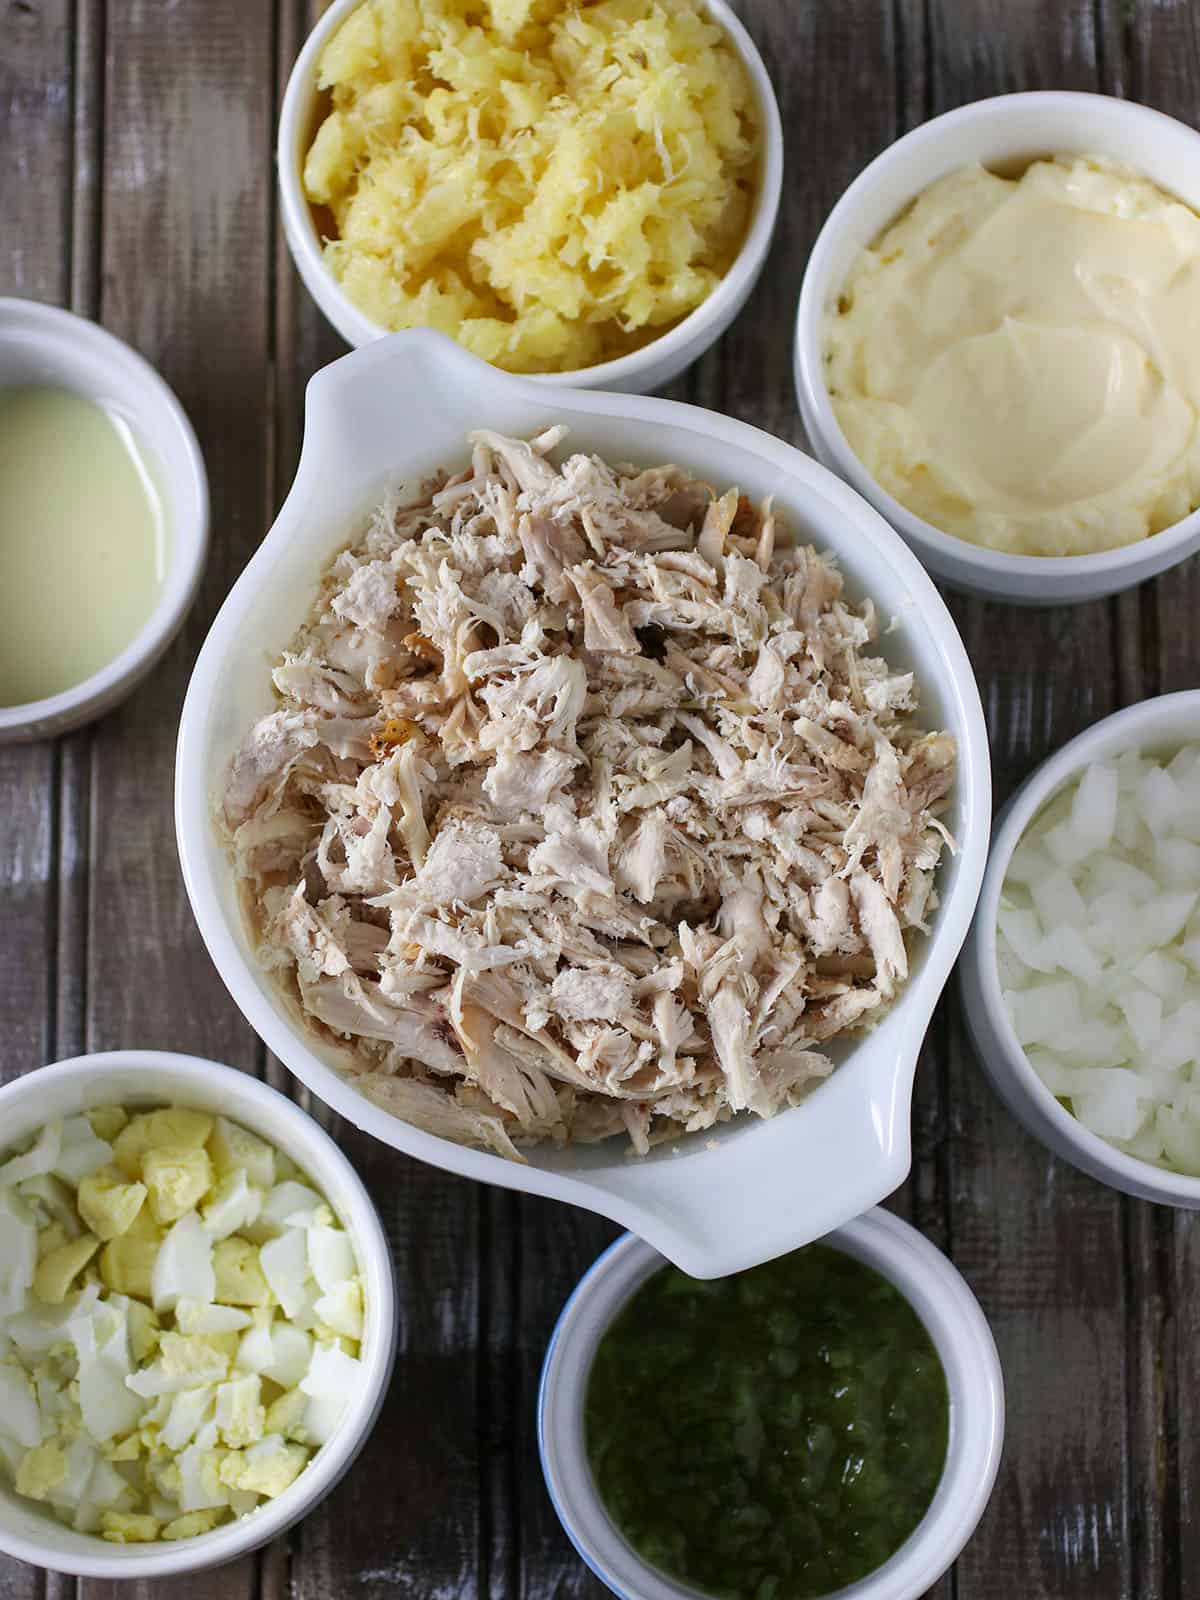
(197,1315)
(582,191)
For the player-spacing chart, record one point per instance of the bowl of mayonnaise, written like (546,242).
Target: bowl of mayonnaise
(996,344)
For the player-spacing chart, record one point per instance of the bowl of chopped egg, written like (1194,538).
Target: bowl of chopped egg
(197,1315)
(993,338)
(1081,977)
(585,193)
(565,782)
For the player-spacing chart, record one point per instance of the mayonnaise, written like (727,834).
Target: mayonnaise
(1018,361)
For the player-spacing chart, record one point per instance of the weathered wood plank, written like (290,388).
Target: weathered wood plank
(1090,1298)
(187,149)
(1164,71)
(407,1521)
(1041,1244)
(35,186)
(36,66)
(414,1518)
(185,162)
(557,1244)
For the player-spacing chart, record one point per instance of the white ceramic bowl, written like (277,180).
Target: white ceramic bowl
(1152,725)
(400,408)
(151,1077)
(43,345)
(637,373)
(954,1321)
(1003,132)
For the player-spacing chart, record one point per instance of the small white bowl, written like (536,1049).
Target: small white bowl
(1153,725)
(649,368)
(43,345)
(397,410)
(152,1077)
(999,133)
(952,1317)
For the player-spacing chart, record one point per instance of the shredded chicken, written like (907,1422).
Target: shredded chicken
(584,811)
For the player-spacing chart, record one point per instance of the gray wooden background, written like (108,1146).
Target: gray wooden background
(136,186)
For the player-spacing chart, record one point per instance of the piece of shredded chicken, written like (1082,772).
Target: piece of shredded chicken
(584,810)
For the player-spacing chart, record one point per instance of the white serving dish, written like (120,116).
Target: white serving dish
(1004,132)
(149,1078)
(43,345)
(637,373)
(1153,725)
(401,408)
(954,1321)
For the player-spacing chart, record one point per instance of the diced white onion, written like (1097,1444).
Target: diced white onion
(1098,948)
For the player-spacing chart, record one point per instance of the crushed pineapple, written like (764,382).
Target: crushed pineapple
(551,182)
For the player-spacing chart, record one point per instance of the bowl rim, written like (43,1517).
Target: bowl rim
(951,1315)
(448,363)
(821,420)
(1133,727)
(303,242)
(189,533)
(330,1461)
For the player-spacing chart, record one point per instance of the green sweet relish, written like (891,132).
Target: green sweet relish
(774,1435)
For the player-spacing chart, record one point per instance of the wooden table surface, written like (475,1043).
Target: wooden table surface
(136,186)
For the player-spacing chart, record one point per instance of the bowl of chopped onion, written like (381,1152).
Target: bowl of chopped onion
(1081,975)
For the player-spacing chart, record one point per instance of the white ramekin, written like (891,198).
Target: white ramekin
(43,345)
(964,1343)
(1002,132)
(151,1077)
(397,410)
(641,371)
(1152,725)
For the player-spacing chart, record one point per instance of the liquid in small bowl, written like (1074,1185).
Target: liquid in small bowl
(83,540)
(777,1433)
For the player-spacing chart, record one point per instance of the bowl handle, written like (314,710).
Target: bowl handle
(738,1204)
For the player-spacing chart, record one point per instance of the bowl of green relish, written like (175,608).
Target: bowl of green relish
(828,1423)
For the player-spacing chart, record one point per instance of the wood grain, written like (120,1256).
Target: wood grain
(141,182)
(186,140)
(1164,70)
(36,185)
(1042,1245)
(35,108)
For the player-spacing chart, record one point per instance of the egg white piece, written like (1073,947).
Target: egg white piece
(184,1264)
(330,1256)
(38,1161)
(285,1266)
(81,1152)
(18,1252)
(19,1417)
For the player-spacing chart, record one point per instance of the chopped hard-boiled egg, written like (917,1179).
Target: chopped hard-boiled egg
(18,1252)
(127,1265)
(233,1149)
(80,1153)
(184,1265)
(108,1202)
(179,1322)
(233,1204)
(285,1265)
(178,1178)
(240,1277)
(171,1128)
